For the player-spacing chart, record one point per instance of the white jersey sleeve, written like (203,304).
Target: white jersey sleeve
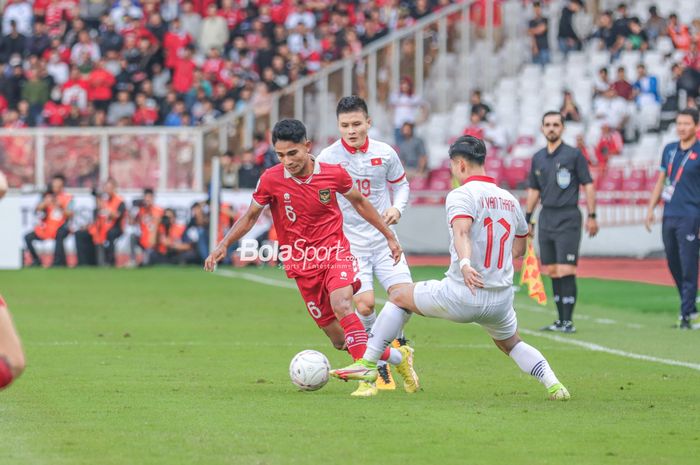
(396,177)
(460,204)
(521,229)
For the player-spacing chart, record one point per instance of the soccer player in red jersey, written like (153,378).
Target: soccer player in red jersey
(11,355)
(301,193)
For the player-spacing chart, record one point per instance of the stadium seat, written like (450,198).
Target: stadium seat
(418,183)
(516,173)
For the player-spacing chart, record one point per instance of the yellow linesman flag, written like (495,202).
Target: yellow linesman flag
(530,275)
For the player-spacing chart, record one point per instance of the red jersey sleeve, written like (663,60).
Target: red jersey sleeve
(262,194)
(344,180)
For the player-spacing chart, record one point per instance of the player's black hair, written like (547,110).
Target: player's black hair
(552,113)
(291,130)
(470,148)
(59,176)
(148,190)
(693,113)
(351,104)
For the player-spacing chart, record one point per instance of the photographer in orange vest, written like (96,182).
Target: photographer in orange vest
(110,212)
(170,247)
(55,211)
(147,218)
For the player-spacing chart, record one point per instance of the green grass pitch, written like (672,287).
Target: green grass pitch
(176,366)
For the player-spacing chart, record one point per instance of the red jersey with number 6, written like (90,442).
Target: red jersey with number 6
(306,215)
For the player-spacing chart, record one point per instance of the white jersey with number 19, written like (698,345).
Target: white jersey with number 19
(498,219)
(373,168)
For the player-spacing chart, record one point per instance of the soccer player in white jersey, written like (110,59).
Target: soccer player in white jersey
(378,174)
(487,228)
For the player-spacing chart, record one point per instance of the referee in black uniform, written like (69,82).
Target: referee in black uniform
(555,176)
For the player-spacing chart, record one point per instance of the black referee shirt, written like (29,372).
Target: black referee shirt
(558,176)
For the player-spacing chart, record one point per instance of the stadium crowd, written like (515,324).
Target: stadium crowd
(628,97)
(170,62)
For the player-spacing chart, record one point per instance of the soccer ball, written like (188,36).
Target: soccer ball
(309,370)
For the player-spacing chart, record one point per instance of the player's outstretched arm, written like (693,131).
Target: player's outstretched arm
(461,228)
(367,211)
(239,229)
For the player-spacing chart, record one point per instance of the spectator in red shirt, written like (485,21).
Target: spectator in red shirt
(622,87)
(232,14)
(100,82)
(476,126)
(55,111)
(692,58)
(183,72)
(176,39)
(679,33)
(145,114)
(214,63)
(610,144)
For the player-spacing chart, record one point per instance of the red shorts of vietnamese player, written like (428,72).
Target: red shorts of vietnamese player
(316,290)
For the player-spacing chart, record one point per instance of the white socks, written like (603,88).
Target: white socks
(532,362)
(367,321)
(388,325)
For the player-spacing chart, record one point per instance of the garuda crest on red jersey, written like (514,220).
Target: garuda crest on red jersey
(324,195)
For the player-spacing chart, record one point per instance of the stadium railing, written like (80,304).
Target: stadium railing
(164,158)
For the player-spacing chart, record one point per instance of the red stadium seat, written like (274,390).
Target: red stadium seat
(440,173)
(608,184)
(440,184)
(633,185)
(638,174)
(517,172)
(418,183)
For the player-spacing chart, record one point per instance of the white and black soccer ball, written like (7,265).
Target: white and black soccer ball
(309,370)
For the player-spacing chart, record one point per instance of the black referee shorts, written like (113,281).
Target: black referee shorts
(559,235)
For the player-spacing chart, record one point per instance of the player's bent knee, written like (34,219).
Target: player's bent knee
(506,345)
(364,309)
(401,297)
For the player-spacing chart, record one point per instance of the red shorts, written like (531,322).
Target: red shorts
(316,290)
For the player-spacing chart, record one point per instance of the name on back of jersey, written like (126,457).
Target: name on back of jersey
(498,203)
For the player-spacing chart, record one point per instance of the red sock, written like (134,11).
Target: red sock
(386,354)
(5,373)
(355,336)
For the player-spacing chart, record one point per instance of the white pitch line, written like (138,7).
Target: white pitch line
(256,279)
(608,350)
(576,342)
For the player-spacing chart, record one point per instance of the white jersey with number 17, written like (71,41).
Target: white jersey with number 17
(498,219)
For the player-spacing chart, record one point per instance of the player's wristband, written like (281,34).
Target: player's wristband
(592,215)
(528,217)
(465,262)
